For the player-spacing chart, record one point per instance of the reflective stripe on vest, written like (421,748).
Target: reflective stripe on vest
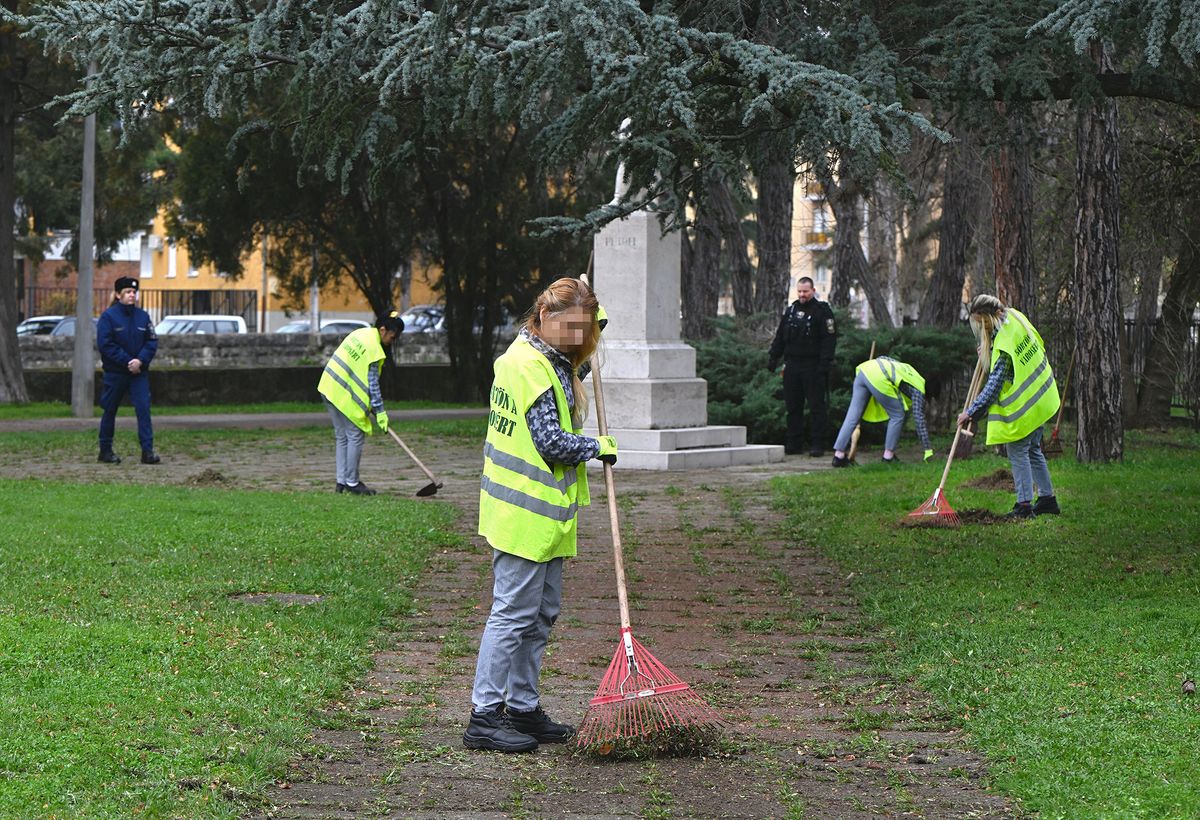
(886,375)
(527,502)
(1031,397)
(526,507)
(531,471)
(344,379)
(362,403)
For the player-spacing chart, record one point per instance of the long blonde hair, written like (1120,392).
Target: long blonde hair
(986,313)
(564,294)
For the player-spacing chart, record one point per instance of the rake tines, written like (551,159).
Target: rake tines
(936,512)
(640,699)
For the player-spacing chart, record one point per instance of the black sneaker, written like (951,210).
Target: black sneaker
(150,457)
(341,488)
(1046,505)
(538,725)
(359,489)
(892,460)
(109,457)
(494,731)
(1020,511)
(841,461)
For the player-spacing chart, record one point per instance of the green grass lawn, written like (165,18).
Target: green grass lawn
(1060,644)
(132,684)
(57,409)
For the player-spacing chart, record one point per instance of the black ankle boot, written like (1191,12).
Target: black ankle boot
(108,457)
(494,731)
(1046,505)
(537,724)
(1020,511)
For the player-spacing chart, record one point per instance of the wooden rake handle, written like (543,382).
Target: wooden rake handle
(610,488)
(984,354)
(413,456)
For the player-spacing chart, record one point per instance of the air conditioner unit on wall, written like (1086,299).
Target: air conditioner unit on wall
(154,242)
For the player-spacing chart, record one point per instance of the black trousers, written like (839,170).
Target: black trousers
(805,384)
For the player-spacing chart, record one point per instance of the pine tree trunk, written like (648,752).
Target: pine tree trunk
(1012,214)
(776,180)
(1098,317)
(850,264)
(12,378)
(881,238)
(736,245)
(701,280)
(1165,354)
(942,305)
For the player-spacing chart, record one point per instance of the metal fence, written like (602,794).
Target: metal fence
(157,302)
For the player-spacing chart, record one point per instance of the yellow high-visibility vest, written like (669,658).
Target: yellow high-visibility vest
(344,380)
(886,375)
(526,506)
(1031,398)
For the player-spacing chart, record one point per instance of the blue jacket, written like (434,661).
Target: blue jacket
(124,333)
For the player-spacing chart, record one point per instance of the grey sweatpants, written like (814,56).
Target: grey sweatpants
(348,440)
(863,391)
(526,597)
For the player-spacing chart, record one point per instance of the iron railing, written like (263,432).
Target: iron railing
(157,302)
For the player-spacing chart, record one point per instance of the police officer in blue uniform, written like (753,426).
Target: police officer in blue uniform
(125,336)
(806,340)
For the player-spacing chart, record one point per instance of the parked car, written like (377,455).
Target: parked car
(38,325)
(423,318)
(200,323)
(66,326)
(339,327)
(432,319)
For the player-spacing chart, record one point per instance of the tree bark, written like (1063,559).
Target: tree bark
(1012,214)
(1165,354)
(881,238)
(942,305)
(1098,317)
(776,181)
(736,246)
(701,271)
(1147,272)
(850,264)
(12,378)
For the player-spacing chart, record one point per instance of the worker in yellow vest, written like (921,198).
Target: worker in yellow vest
(884,389)
(533,484)
(1018,398)
(350,386)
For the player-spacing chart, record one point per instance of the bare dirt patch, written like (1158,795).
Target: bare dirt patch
(1000,480)
(208,478)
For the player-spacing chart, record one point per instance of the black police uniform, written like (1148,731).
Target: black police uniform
(805,340)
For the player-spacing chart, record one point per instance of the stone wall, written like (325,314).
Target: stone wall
(174,386)
(246,367)
(241,350)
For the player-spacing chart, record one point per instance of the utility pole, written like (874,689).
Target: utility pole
(83,366)
(314,300)
(262,325)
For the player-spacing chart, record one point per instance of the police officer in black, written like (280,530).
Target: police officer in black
(805,340)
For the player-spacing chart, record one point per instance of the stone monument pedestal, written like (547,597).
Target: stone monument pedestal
(657,408)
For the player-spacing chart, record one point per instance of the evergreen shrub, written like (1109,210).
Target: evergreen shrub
(742,392)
